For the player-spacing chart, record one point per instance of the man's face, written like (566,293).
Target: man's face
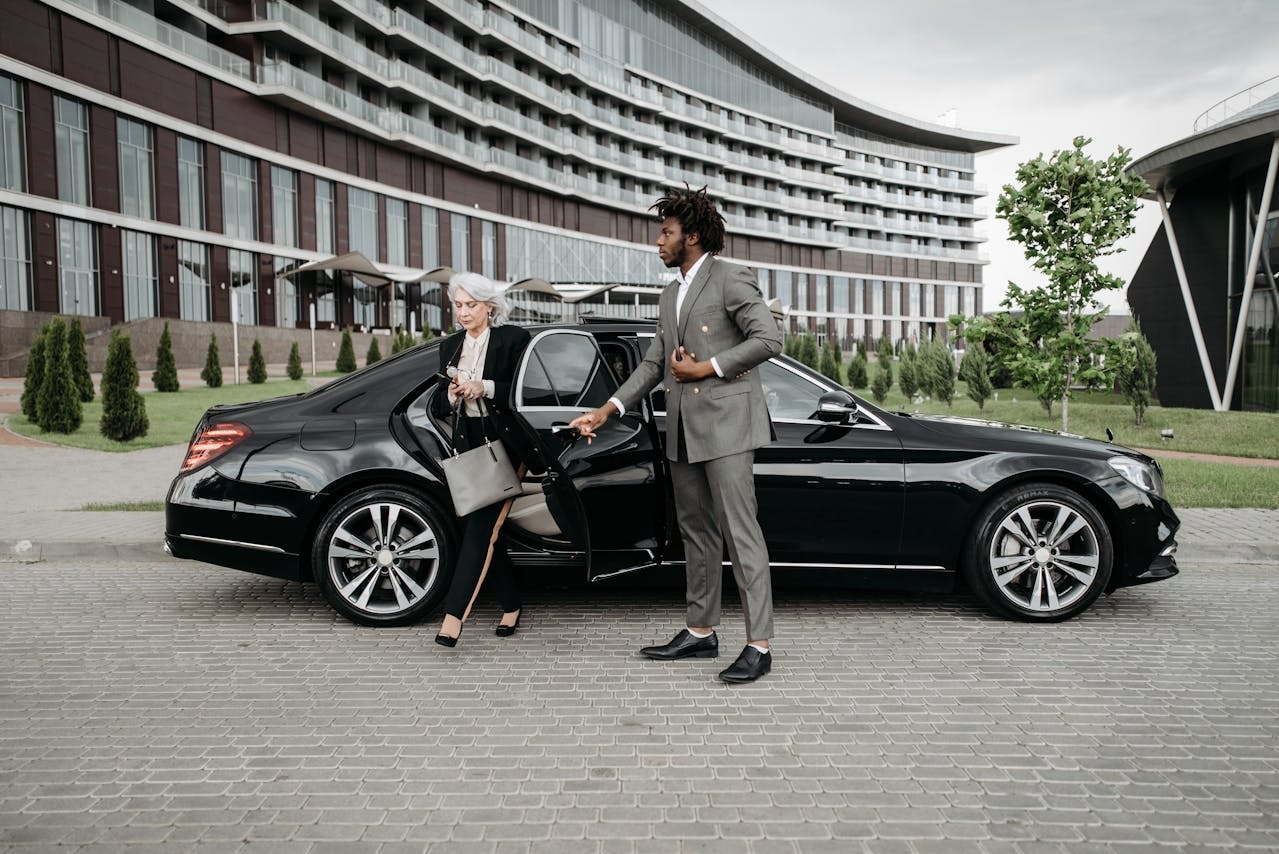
(673,243)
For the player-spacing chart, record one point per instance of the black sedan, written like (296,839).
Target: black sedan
(342,486)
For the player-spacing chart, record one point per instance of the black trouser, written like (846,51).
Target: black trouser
(483,554)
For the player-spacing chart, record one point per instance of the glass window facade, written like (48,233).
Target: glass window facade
(138,256)
(239,197)
(137,196)
(430,238)
(397,232)
(286,295)
(488,247)
(190,183)
(13,161)
(194,284)
(365,300)
(244,283)
(77,267)
(460,242)
(326,297)
(71,141)
(325,219)
(577,258)
(284,206)
(362,222)
(15,260)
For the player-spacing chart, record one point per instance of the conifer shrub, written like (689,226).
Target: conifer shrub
(34,376)
(346,353)
(257,364)
(124,412)
(58,407)
(374,354)
(165,376)
(212,373)
(77,353)
(294,368)
(883,381)
(857,372)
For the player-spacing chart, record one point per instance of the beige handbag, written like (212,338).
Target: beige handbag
(482,476)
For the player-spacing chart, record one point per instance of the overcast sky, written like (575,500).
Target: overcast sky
(1134,73)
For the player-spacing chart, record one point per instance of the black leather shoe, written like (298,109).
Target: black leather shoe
(506,631)
(448,640)
(683,645)
(749,666)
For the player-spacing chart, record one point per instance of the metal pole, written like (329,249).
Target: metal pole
(235,332)
(1190,303)
(1258,237)
(312,339)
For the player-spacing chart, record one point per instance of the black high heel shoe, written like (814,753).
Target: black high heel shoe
(506,631)
(446,640)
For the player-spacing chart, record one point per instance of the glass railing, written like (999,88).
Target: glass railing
(176,40)
(371,9)
(346,48)
(283,74)
(432,87)
(955,232)
(930,250)
(463,10)
(433,38)
(878,170)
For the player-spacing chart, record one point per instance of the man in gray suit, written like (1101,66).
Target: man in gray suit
(713,330)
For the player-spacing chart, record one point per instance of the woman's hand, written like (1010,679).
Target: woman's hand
(469,389)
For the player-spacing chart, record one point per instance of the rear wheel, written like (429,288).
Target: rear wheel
(1039,553)
(383,556)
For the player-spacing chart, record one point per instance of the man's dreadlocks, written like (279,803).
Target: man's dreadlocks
(696,214)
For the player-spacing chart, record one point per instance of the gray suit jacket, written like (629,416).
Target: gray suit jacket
(723,316)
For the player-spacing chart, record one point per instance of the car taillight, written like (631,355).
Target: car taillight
(214,441)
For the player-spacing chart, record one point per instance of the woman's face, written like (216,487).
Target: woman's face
(470,312)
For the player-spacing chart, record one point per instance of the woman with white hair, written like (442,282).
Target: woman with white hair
(482,358)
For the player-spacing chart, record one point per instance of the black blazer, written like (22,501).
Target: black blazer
(501,361)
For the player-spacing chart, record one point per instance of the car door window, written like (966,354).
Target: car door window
(565,369)
(788,394)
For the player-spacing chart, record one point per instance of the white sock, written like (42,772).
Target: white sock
(762,649)
(698,634)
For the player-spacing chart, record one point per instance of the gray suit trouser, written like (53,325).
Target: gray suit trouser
(715,503)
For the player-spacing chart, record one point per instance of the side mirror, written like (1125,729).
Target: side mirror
(837,407)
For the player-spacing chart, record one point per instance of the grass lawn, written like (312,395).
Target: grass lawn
(1239,434)
(172,416)
(1193,483)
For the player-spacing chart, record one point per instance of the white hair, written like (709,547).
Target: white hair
(483,289)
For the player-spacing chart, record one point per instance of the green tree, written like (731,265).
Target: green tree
(257,364)
(34,376)
(294,367)
(884,350)
(883,381)
(974,370)
(427,333)
(402,341)
(1067,211)
(861,349)
(857,372)
(374,354)
(836,351)
(165,376)
(829,365)
(346,353)
(936,371)
(1135,369)
(58,407)
(124,412)
(809,353)
(78,353)
(908,372)
(212,373)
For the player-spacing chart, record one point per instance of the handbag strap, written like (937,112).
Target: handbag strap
(459,412)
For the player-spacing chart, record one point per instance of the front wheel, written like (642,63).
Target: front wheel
(1040,553)
(383,556)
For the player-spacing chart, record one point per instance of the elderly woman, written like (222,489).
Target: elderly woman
(482,359)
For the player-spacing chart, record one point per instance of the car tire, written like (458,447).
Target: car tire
(1040,553)
(383,556)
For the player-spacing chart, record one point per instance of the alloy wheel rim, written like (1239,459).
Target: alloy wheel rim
(383,558)
(1044,556)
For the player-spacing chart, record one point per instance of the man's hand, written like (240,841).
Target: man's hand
(588,422)
(686,370)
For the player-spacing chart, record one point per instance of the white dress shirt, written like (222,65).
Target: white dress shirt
(470,366)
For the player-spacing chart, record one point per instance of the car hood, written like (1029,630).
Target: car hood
(1024,435)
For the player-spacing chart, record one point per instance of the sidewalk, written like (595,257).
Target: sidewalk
(46,486)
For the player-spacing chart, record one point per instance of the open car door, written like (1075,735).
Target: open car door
(605,496)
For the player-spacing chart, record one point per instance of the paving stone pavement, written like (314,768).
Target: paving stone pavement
(174,706)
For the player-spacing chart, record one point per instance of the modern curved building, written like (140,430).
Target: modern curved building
(157,156)
(1205,291)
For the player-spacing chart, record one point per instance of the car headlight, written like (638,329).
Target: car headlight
(1139,474)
